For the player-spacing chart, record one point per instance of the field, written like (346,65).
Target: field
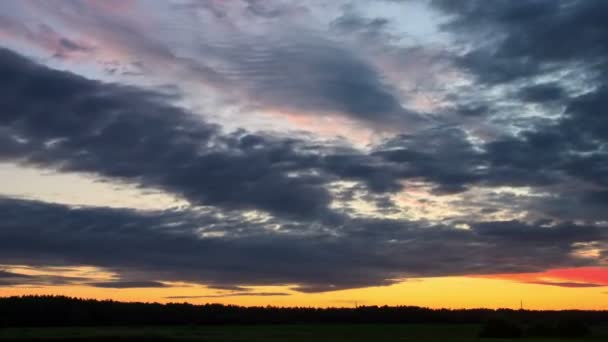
(271,333)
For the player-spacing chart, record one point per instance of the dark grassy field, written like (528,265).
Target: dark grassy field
(271,333)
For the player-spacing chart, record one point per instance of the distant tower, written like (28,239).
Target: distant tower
(521,305)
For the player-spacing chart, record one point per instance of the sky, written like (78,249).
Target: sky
(306,153)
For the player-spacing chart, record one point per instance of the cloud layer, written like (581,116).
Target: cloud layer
(497,164)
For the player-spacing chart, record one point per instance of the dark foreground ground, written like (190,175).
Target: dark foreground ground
(271,333)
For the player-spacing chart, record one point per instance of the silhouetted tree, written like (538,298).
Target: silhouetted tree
(64,311)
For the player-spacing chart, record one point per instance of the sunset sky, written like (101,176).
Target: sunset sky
(314,153)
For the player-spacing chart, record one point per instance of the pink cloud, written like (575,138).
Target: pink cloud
(113,6)
(45,38)
(563,277)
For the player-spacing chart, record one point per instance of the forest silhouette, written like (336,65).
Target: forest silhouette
(66,311)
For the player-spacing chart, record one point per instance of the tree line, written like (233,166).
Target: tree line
(66,311)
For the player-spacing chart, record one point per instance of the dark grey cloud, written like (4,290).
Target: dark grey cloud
(302,70)
(19,279)
(59,120)
(72,45)
(272,9)
(548,53)
(541,48)
(527,234)
(597,197)
(291,68)
(578,23)
(543,93)
(519,41)
(584,123)
(443,157)
(351,22)
(13,278)
(234,294)
(379,175)
(568,284)
(524,38)
(313,75)
(171,246)
(62,121)
(472,110)
(127,284)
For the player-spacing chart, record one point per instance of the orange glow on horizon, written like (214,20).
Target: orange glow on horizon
(440,292)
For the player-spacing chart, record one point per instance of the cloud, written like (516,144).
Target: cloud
(512,51)
(62,121)
(582,277)
(350,22)
(529,28)
(127,284)
(266,207)
(310,74)
(18,279)
(444,157)
(291,69)
(5,274)
(59,120)
(234,294)
(43,37)
(543,93)
(173,246)
(568,284)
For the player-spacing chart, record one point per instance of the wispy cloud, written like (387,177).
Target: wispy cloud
(233,294)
